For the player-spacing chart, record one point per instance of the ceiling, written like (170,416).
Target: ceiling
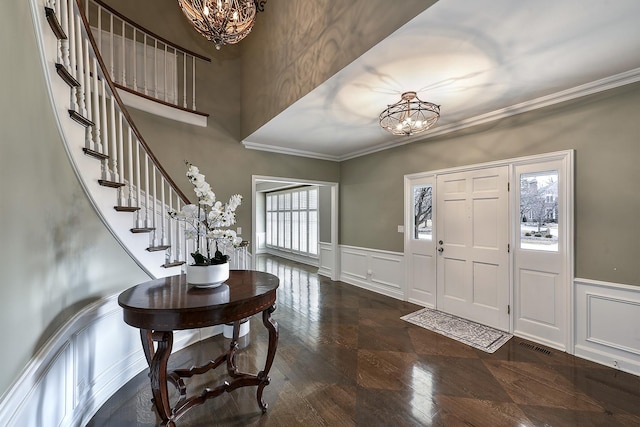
(480,60)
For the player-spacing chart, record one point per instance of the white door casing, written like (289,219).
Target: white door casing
(472,238)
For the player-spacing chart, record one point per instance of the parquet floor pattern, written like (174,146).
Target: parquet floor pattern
(346,359)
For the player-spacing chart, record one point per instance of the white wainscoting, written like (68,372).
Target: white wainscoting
(326,266)
(261,242)
(92,356)
(376,270)
(607,324)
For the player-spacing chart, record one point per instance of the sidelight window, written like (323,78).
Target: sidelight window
(539,211)
(422,212)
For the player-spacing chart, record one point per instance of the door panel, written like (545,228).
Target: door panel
(485,276)
(423,267)
(455,283)
(472,232)
(455,211)
(485,221)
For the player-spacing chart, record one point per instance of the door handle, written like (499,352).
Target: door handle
(440,250)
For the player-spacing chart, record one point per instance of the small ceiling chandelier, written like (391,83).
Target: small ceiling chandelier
(409,116)
(222,21)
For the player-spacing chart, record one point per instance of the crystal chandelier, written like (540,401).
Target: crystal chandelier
(222,21)
(409,116)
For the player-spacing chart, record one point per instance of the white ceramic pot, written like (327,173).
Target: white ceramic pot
(207,276)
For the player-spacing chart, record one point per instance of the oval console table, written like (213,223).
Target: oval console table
(159,307)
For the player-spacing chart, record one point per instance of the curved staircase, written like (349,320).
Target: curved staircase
(125,182)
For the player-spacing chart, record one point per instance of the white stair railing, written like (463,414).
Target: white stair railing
(122,174)
(142,61)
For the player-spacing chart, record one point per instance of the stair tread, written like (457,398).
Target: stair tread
(94,153)
(142,229)
(172,264)
(126,208)
(112,184)
(79,118)
(66,75)
(158,248)
(54,23)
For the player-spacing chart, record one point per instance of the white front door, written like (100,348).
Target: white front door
(472,238)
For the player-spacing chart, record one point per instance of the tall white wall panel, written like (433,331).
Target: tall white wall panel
(607,324)
(375,270)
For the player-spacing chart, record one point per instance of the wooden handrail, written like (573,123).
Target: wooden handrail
(151,33)
(122,107)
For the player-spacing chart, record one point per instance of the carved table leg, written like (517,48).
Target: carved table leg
(146,336)
(158,373)
(232,369)
(263,376)
(148,347)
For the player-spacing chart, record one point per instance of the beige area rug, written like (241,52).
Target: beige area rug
(474,334)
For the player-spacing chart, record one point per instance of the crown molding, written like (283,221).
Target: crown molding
(611,82)
(289,151)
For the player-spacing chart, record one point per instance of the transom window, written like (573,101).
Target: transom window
(292,221)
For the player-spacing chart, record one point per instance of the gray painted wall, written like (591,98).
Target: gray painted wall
(56,256)
(603,129)
(324,203)
(296,45)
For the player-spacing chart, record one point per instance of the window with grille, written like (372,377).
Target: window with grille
(292,221)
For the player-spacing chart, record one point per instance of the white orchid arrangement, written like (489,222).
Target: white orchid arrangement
(208,221)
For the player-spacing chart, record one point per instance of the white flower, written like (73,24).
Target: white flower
(206,221)
(192,170)
(202,189)
(208,199)
(235,201)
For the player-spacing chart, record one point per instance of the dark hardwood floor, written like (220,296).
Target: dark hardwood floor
(346,359)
